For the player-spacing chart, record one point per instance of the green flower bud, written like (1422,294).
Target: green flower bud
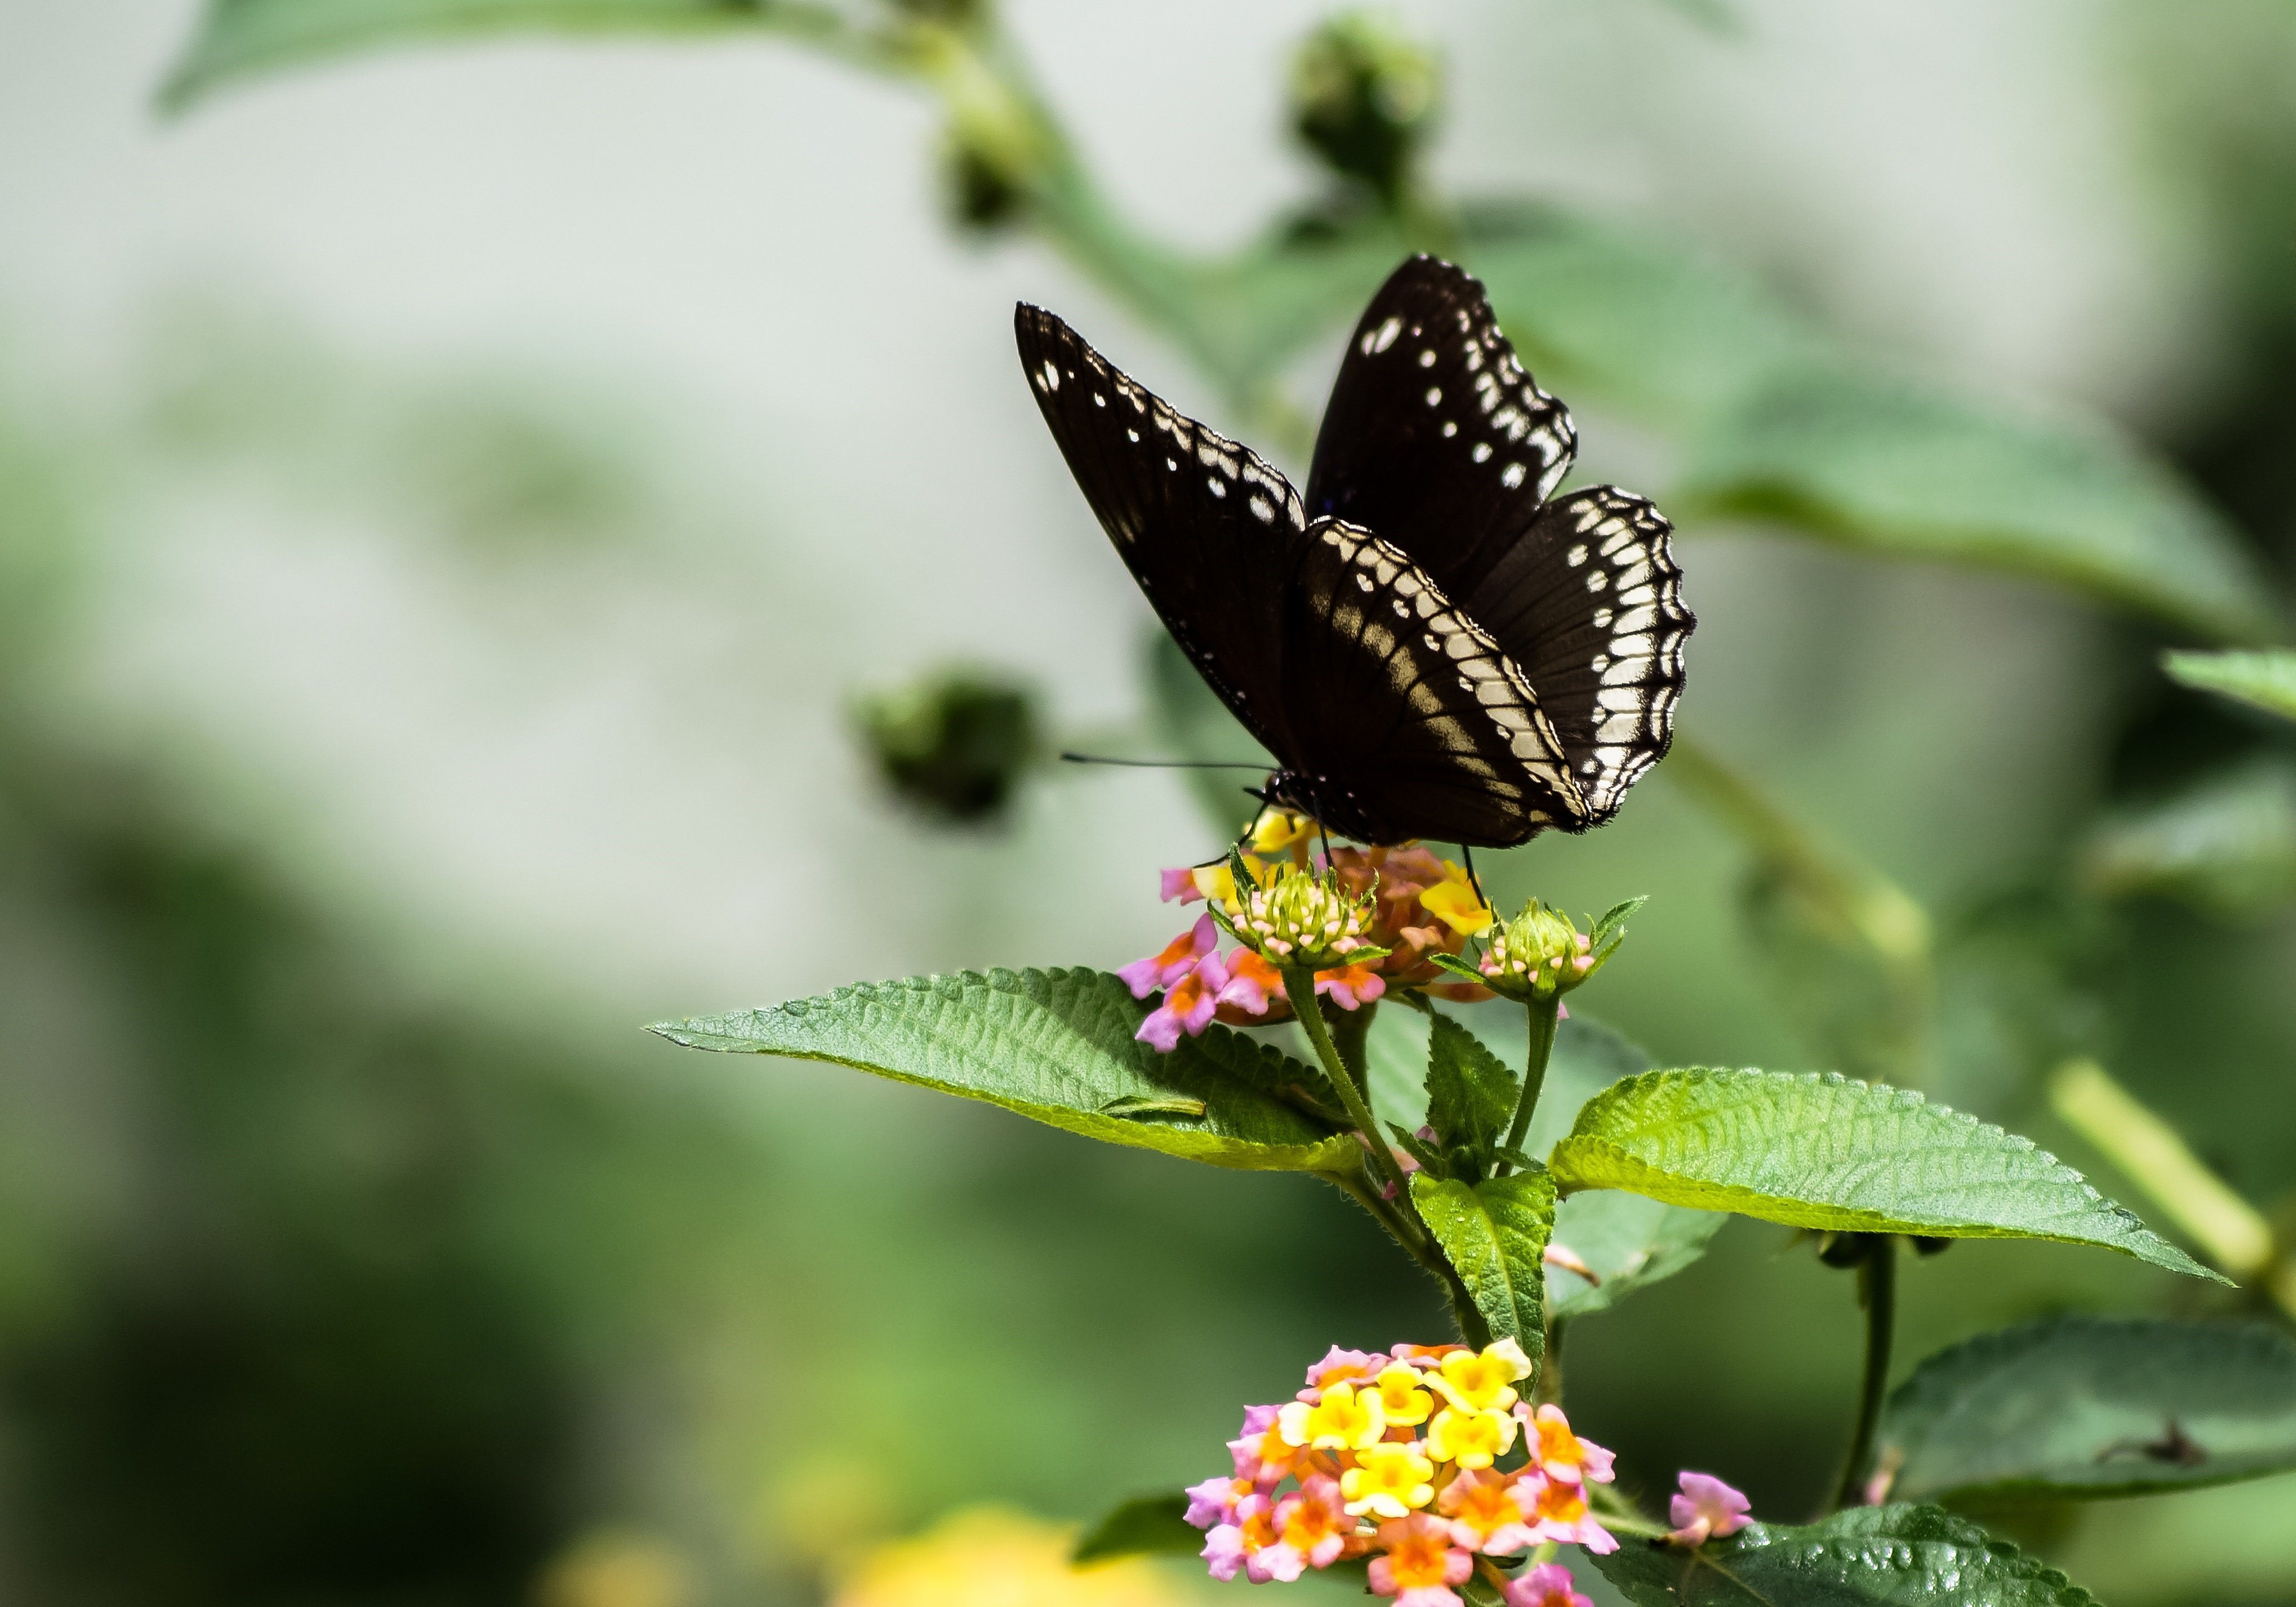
(1540,955)
(952,745)
(1301,918)
(1365,98)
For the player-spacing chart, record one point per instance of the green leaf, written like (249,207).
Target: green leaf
(2265,681)
(244,38)
(2077,1406)
(1916,1556)
(2225,843)
(1494,1233)
(1628,1242)
(1892,466)
(1471,1095)
(1144,1525)
(1057,1046)
(1821,1151)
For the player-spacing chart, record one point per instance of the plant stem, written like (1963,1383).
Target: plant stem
(1299,987)
(1408,1233)
(1877,1283)
(1543,1016)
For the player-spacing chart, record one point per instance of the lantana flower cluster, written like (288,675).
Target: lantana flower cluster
(1397,906)
(1423,1459)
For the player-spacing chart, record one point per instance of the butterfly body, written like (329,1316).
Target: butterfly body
(1428,646)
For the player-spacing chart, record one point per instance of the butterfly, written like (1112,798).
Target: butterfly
(1429,642)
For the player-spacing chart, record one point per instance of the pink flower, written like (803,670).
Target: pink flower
(1189,1004)
(1420,1566)
(1252,983)
(1351,986)
(1485,1513)
(1341,1366)
(1178,957)
(1263,1457)
(1214,1501)
(1557,1452)
(1180,883)
(1249,1544)
(1315,1524)
(1558,1511)
(1548,1585)
(1707,1509)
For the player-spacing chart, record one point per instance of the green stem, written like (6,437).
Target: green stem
(1299,987)
(1877,1283)
(1407,1232)
(1544,1013)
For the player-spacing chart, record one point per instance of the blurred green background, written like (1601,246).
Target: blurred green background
(454,508)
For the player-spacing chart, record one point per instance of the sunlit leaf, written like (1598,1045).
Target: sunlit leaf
(1493,1233)
(245,38)
(1824,1151)
(1149,1525)
(1899,1556)
(1893,466)
(1057,1046)
(2265,681)
(2077,1406)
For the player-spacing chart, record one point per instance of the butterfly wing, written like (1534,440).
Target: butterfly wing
(1411,720)
(1208,527)
(1589,600)
(1435,437)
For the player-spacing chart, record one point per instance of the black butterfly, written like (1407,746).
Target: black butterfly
(1428,645)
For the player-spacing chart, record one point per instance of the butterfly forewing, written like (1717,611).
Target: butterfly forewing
(1211,531)
(1435,437)
(1412,721)
(1589,602)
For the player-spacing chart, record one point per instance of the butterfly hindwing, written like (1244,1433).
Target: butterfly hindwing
(1435,437)
(1589,602)
(1421,724)
(1210,530)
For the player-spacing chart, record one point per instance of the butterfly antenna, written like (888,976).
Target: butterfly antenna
(1067,758)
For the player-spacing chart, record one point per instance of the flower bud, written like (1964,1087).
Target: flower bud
(953,745)
(1363,98)
(1305,918)
(1540,955)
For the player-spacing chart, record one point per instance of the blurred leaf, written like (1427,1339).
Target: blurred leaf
(1627,1241)
(2077,1406)
(1149,1524)
(1055,1046)
(1627,318)
(1821,1151)
(1846,952)
(1894,466)
(1899,1554)
(1493,1233)
(2265,681)
(245,38)
(2226,844)
(1470,1097)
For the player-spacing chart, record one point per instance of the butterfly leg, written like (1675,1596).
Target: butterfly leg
(1468,855)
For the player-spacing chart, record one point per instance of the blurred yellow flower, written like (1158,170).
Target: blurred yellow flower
(1453,902)
(616,1570)
(993,1557)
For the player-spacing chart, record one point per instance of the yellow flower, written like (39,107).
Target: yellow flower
(1471,1438)
(1481,1380)
(1216,883)
(987,1557)
(1453,902)
(1278,830)
(1388,1480)
(1401,1397)
(1345,1419)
